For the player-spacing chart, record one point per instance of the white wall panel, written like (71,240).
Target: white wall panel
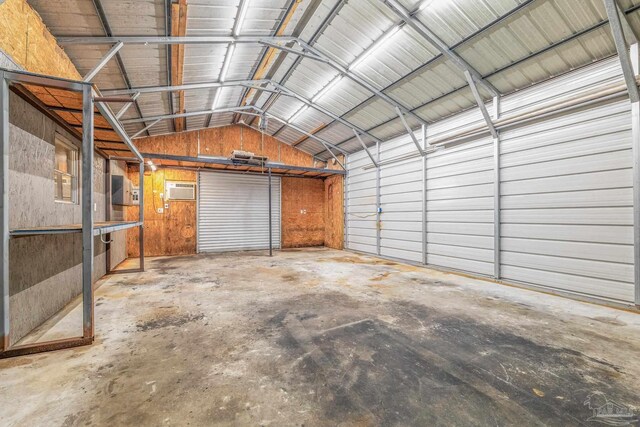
(401,190)
(361,204)
(460,207)
(567,203)
(566,195)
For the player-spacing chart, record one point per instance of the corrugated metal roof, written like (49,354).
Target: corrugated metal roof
(513,44)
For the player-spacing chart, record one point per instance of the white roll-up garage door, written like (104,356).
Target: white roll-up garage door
(233,212)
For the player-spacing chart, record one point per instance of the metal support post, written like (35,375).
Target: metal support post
(107,212)
(87,213)
(270,213)
(424,196)
(629,67)
(141,215)
(4,211)
(496,195)
(378,207)
(635,142)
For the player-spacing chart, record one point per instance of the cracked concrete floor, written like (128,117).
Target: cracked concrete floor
(322,337)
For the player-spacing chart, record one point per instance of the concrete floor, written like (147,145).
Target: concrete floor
(324,337)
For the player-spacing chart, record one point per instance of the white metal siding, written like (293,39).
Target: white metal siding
(460,207)
(233,212)
(361,204)
(566,195)
(401,201)
(567,203)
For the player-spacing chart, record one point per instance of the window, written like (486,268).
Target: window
(65,175)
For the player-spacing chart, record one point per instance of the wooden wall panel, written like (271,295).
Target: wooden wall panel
(334,212)
(221,142)
(172,232)
(303,216)
(27,40)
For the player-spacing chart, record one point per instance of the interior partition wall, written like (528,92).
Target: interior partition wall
(565,191)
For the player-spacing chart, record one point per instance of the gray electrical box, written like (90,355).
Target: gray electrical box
(122,192)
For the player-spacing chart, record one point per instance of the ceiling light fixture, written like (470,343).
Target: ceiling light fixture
(327,88)
(243,12)
(227,62)
(377,45)
(216,98)
(297,113)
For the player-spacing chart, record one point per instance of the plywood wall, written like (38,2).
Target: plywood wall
(303,212)
(172,232)
(221,142)
(25,38)
(334,212)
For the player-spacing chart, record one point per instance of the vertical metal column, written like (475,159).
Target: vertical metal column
(378,207)
(635,141)
(141,215)
(424,195)
(270,226)
(87,213)
(4,211)
(345,201)
(107,211)
(496,194)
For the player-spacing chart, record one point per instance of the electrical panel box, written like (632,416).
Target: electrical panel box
(180,190)
(123,193)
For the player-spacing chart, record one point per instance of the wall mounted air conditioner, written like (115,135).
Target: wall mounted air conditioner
(180,190)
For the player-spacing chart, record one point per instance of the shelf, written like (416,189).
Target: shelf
(99,228)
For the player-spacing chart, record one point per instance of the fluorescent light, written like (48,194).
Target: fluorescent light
(377,45)
(240,20)
(297,113)
(433,3)
(227,62)
(326,89)
(216,98)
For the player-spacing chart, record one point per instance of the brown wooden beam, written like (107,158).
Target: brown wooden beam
(178,29)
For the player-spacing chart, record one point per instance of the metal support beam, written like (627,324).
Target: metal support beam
(105,59)
(410,132)
(270,215)
(496,167)
(146,128)
(630,70)
(87,213)
(117,127)
(4,212)
(433,39)
(141,215)
(375,163)
(480,102)
(621,47)
(125,107)
(144,40)
(188,114)
(424,197)
(378,207)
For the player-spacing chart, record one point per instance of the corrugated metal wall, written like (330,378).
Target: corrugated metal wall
(566,195)
(233,212)
(361,204)
(401,187)
(460,207)
(567,203)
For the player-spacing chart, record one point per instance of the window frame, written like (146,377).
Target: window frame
(74,167)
